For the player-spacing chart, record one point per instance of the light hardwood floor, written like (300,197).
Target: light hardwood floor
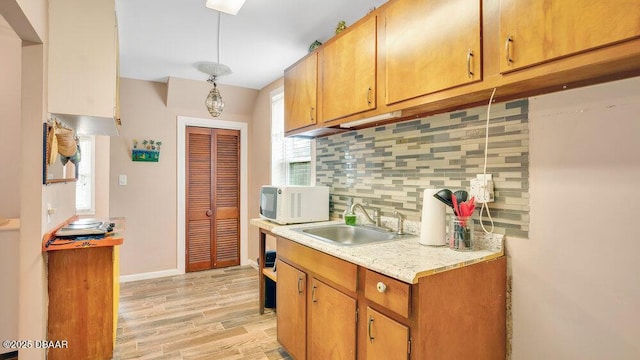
(203,315)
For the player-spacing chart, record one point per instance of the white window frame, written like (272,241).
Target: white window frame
(278,134)
(87,158)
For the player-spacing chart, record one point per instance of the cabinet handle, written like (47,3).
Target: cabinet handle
(311,113)
(507,49)
(469,56)
(313,294)
(369,97)
(209,213)
(381,287)
(299,285)
(369,329)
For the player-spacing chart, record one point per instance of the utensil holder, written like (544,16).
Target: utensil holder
(461,235)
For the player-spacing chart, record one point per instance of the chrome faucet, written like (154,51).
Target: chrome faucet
(376,213)
(400,229)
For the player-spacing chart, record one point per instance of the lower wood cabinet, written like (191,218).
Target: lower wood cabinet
(82,302)
(292,309)
(329,308)
(332,323)
(315,321)
(386,338)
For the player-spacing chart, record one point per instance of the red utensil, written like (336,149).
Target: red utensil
(472,205)
(466,209)
(456,210)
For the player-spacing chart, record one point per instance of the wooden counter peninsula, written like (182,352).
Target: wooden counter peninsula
(83,288)
(394,299)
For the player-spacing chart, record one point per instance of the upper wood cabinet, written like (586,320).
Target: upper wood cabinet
(82,58)
(300,93)
(535,31)
(349,72)
(428,56)
(430,45)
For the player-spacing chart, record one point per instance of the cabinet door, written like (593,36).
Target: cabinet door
(534,31)
(84,278)
(300,93)
(431,45)
(291,309)
(82,57)
(349,72)
(332,323)
(386,338)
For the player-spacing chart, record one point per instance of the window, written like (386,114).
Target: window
(292,160)
(85,186)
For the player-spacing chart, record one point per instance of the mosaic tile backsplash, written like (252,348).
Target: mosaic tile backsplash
(389,166)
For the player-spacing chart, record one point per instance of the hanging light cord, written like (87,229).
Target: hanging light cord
(214,75)
(219,27)
(484,170)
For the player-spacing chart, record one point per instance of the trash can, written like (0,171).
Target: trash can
(269,285)
(269,258)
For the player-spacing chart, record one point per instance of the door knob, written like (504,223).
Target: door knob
(209,213)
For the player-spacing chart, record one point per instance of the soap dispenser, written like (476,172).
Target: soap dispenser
(348,216)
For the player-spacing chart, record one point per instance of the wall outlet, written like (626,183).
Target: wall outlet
(482,188)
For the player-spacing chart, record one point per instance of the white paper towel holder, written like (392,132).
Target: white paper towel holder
(433,224)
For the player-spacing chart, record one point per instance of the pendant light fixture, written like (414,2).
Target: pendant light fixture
(214,102)
(228,6)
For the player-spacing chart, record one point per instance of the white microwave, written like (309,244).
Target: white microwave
(294,204)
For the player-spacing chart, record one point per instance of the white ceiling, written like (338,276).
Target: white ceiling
(162,38)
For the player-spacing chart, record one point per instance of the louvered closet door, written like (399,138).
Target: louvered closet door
(227,198)
(213,192)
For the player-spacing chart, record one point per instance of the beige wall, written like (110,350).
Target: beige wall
(10,47)
(9,275)
(260,159)
(28,19)
(149,111)
(575,288)
(186,98)
(33,287)
(36,13)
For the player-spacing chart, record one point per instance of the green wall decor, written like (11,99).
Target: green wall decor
(148,152)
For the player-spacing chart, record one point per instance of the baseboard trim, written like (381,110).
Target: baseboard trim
(253,264)
(149,275)
(165,273)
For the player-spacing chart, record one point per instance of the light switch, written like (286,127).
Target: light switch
(122,180)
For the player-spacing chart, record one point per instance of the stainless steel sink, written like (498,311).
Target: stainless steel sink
(348,235)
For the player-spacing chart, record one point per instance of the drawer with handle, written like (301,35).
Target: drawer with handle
(390,293)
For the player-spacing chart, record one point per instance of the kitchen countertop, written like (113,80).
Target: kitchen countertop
(114,238)
(404,259)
